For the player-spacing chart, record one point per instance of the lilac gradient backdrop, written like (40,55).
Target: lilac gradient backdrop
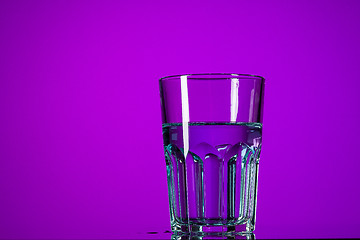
(80,126)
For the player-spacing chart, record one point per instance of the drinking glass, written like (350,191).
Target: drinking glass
(212,127)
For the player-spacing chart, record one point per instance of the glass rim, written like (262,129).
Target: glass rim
(213,76)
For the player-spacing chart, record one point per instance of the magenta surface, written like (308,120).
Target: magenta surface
(81,152)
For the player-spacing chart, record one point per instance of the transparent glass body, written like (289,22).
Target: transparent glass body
(212,130)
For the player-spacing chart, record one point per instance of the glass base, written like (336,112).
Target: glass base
(199,232)
(249,236)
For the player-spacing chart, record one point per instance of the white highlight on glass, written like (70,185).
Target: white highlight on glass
(185,113)
(251,110)
(234,101)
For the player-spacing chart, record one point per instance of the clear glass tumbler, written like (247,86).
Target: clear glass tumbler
(212,127)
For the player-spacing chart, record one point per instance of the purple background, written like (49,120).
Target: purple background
(80,125)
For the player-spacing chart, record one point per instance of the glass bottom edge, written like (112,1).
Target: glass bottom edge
(249,236)
(195,229)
